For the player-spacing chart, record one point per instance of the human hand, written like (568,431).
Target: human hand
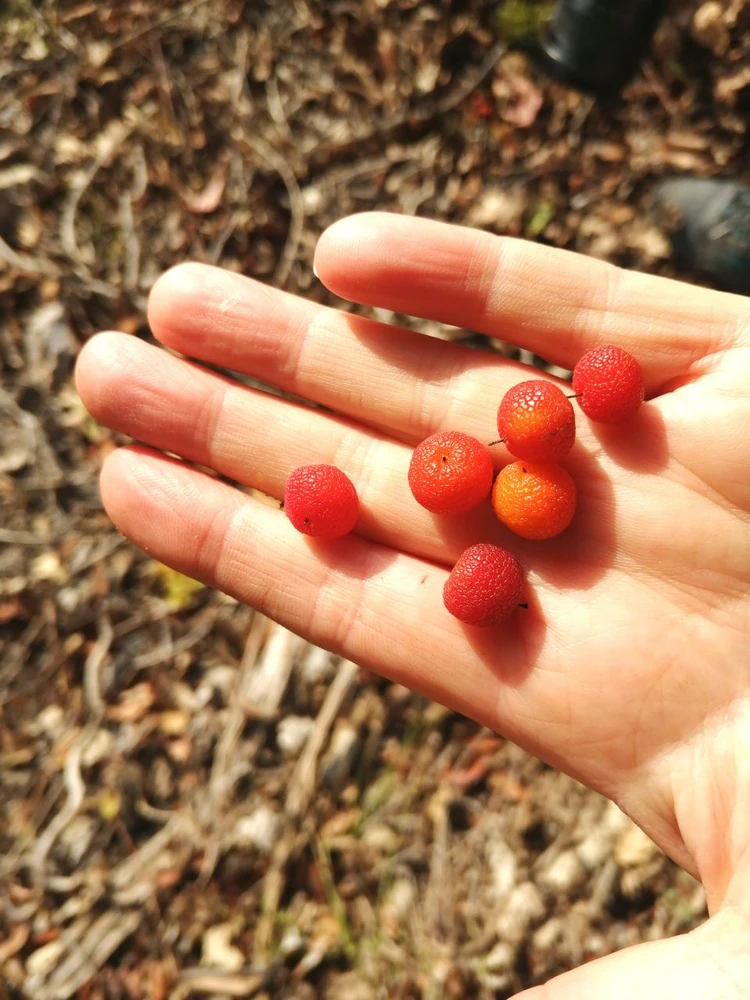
(630,670)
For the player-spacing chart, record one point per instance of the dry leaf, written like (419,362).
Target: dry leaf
(524,104)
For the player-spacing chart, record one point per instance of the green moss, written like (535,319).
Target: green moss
(522,20)
(335,903)
(544,213)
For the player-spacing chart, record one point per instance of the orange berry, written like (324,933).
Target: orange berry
(537,421)
(535,500)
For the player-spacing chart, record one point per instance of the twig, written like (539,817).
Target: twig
(10,537)
(241,60)
(26,264)
(437,893)
(227,984)
(216,248)
(13,943)
(140,173)
(72,777)
(97,555)
(95,285)
(302,784)
(109,144)
(124,879)
(296,207)
(225,750)
(152,813)
(221,780)
(66,884)
(191,7)
(276,108)
(34,433)
(462,91)
(273,886)
(75,788)
(268,680)
(131,269)
(262,685)
(298,798)
(92,685)
(199,631)
(84,959)
(659,89)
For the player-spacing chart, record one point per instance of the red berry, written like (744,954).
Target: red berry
(609,384)
(484,586)
(321,501)
(450,473)
(536,421)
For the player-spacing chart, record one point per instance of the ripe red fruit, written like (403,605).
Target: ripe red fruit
(609,384)
(321,501)
(450,472)
(484,586)
(536,421)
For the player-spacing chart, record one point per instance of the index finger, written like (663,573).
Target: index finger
(553,302)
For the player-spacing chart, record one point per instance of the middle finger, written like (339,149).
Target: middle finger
(403,382)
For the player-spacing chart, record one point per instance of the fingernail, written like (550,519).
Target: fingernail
(315,270)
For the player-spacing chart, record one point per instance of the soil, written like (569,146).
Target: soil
(194,801)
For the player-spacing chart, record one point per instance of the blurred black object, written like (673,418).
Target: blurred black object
(709,224)
(597,45)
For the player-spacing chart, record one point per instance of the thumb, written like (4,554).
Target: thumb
(710,963)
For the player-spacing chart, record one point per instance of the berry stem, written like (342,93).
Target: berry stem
(574,396)
(499,441)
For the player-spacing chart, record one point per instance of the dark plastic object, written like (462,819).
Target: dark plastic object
(709,222)
(597,45)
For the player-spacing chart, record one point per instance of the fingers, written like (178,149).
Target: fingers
(711,961)
(365,601)
(258,439)
(553,302)
(384,376)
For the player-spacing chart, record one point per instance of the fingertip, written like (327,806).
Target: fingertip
(99,363)
(178,514)
(86,363)
(344,244)
(141,489)
(112,478)
(171,293)
(120,472)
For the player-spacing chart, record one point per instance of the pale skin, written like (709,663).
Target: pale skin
(631,667)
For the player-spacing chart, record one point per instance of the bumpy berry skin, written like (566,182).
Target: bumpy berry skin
(450,472)
(536,421)
(484,586)
(535,500)
(321,501)
(609,384)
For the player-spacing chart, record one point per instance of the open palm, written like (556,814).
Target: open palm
(631,667)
